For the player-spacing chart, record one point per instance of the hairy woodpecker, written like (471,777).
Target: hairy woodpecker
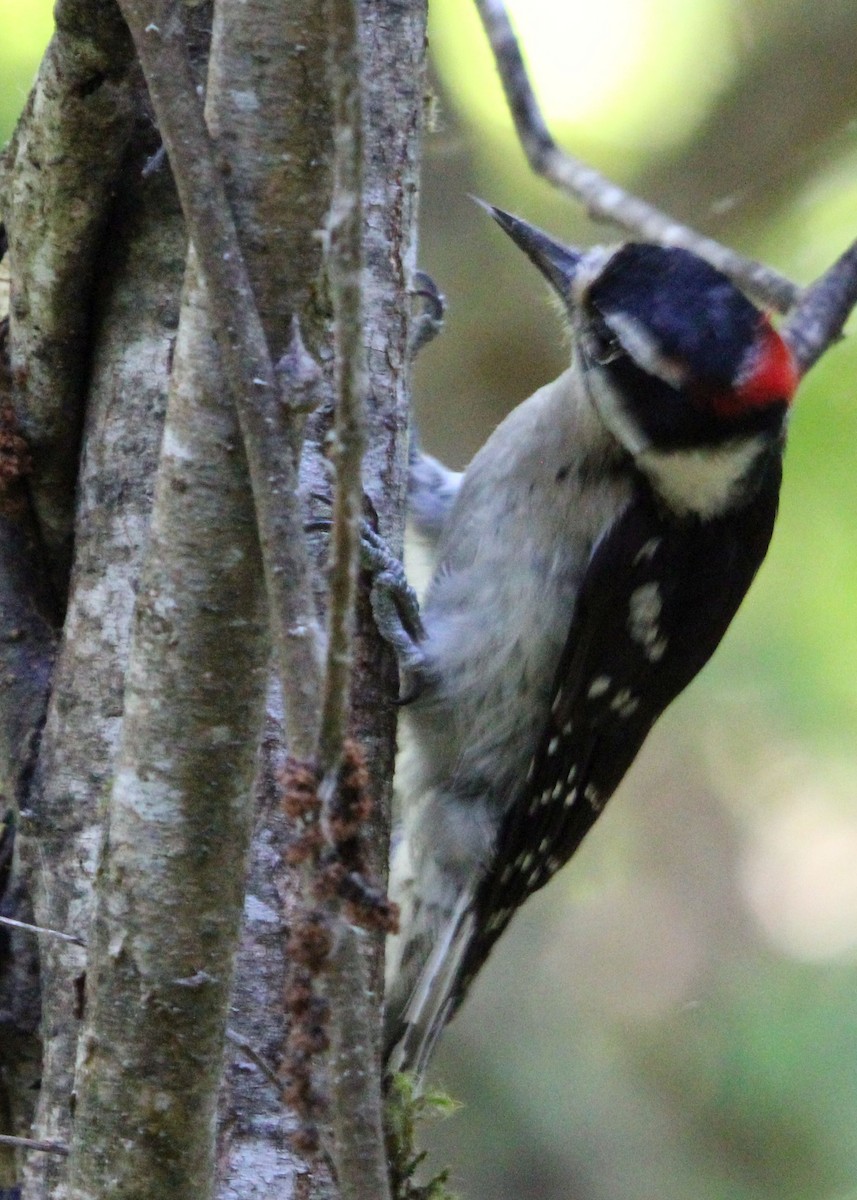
(589,561)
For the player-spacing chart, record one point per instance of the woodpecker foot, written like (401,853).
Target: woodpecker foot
(394,602)
(430,307)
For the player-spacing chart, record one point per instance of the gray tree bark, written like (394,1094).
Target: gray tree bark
(132,761)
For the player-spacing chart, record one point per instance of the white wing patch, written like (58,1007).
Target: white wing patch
(644,614)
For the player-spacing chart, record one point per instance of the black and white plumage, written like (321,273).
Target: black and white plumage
(588,564)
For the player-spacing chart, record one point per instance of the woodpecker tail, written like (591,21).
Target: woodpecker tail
(412,1028)
(435,870)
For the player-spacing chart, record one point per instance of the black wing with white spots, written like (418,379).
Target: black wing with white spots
(657,598)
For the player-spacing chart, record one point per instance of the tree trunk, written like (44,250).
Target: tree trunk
(132,771)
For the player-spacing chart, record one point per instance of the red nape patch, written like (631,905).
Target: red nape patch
(771,374)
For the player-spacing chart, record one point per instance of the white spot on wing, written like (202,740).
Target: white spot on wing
(625,703)
(647,551)
(591,794)
(644,612)
(600,684)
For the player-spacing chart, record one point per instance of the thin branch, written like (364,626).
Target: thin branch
(817,314)
(252,1055)
(356,1107)
(158,33)
(605,200)
(356,1117)
(345,265)
(823,309)
(22,1143)
(43,931)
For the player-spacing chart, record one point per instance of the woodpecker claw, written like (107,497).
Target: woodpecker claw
(394,603)
(428,319)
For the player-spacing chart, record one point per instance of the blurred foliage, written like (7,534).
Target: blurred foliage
(677,1014)
(25,26)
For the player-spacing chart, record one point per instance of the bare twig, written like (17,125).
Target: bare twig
(361,1164)
(43,931)
(345,266)
(356,1108)
(604,200)
(252,1054)
(817,320)
(157,29)
(22,1143)
(817,313)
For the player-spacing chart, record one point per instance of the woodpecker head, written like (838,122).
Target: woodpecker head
(683,369)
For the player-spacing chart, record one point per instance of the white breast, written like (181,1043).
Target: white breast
(533,503)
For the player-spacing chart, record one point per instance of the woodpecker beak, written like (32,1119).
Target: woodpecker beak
(558,263)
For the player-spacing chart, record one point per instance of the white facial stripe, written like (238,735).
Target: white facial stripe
(609,406)
(642,348)
(700,481)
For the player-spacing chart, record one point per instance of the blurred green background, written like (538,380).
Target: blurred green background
(676,1015)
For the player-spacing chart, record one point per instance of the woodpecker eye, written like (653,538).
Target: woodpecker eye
(642,347)
(601,347)
(671,308)
(691,361)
